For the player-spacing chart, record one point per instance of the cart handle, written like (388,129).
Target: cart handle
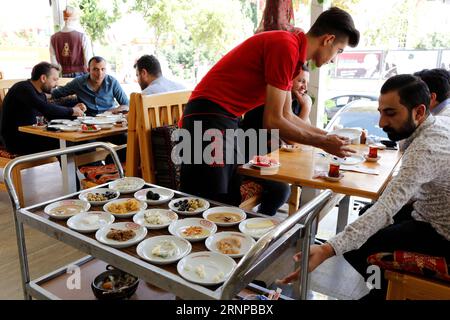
(307,213)
(52,153)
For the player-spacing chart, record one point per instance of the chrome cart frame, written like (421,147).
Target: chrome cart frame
(295,230)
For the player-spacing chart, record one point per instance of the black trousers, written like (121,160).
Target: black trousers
(405,234)
(219,182)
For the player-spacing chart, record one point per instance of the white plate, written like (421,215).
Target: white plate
(179,226)
(105,126)
(246,242)
(77,206)
(167,217)
(140,231)
(127,184)
(83,196)
(234,210)
(64,121)
(91,221)
(188,213)
(291,147)
(272,166)
(165,195)
(69,128)
(351,133)
(91,131)
(366,156)
(142,206)
(333,179)
(217,267)
(351,160)
(257,232)
(99,121)
(145,248)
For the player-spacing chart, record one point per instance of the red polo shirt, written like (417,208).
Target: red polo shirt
(238,81)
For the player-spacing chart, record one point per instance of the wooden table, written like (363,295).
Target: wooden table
(66,139)
(298,169)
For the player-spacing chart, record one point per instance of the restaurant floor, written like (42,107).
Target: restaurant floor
(334,279)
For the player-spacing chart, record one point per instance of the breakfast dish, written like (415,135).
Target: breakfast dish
(163,249)
(192,229)
(233,244)
(264,162)
(99,196)
(66,208)
(127,184)
(121,234)
(188,205)
(125,207)
(257,227)
(91,221)
(155,218)
(225,216)
(206,268)
(154,196)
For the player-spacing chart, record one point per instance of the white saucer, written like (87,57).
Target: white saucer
(334,179)
(371,159)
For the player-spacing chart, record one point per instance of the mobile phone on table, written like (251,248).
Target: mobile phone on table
(391,145)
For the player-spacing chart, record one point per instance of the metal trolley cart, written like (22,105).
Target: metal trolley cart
(294,231)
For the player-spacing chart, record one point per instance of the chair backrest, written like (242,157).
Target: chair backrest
(147,113)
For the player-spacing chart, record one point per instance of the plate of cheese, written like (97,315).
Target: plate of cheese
(257,227)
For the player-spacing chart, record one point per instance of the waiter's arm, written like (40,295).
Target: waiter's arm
(278,115)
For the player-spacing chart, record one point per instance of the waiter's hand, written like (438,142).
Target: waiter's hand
(337,145)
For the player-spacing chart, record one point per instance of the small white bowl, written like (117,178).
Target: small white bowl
(233,210)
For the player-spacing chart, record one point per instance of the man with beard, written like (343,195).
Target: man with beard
(24,102)
(412,214)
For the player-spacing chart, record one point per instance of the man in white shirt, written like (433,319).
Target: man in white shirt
(412,214)
(71,48)
(150,78)
(438,81)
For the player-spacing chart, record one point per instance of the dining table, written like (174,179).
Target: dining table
(307,168)
(68,166)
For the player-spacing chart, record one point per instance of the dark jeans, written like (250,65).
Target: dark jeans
(274,195)
(404,234)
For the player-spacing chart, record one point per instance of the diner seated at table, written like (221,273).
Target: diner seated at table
(98,90)
(150,77)
(438,81)
(412,213)
(27,100)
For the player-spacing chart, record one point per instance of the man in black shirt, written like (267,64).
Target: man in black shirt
(26,100)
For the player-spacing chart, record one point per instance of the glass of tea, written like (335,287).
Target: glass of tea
(40,121)
(334,169)
(373,152)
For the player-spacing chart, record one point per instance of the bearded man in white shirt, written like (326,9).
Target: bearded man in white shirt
(413,213)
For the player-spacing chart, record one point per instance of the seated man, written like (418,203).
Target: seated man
(97,90)
(24,102)
(438,81)
(150,78)
(393,223)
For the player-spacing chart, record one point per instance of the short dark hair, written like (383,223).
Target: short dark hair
(149,63)
(42,68)
(437,80)
(411,90)
(97,59)
(338,22)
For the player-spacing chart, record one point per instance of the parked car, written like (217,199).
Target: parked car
(333,105)
(359,114)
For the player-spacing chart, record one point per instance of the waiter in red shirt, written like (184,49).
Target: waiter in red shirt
(259,71)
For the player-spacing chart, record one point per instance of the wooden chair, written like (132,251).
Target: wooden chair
(403,286)
(151,112)
(6,156)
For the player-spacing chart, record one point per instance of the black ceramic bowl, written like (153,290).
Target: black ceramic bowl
(119,291)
